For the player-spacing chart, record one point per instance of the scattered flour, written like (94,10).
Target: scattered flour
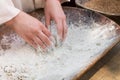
(82,45)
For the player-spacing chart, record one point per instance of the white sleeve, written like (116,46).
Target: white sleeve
(7,11)
(41,3)
(65,1)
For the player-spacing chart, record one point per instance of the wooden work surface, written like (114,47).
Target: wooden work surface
(108,68)
(111,70)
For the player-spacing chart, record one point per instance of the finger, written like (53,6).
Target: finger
(44,39)
(65,29)
(46,31)
(47,20)
(30,41)
(39,42)
(60,29)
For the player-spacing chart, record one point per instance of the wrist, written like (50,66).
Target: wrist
(12,21)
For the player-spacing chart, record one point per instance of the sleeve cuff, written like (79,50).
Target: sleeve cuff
(41,3)
(8,13)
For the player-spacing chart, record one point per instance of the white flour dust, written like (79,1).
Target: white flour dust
(22,62)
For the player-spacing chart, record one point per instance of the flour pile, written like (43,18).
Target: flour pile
(82,45)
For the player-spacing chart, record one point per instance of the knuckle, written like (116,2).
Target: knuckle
(48,34)
(47,41)
(35,30)
(41,25)
(64,17)
(66,28)
(28,35)
(41,44)
(60,28)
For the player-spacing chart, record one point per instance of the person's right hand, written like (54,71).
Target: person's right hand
(31,30)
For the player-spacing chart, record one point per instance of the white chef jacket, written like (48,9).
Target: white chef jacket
(10,8)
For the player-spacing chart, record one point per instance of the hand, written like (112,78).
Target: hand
(53,10)
(31,30)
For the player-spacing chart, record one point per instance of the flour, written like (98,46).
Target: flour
(82,45)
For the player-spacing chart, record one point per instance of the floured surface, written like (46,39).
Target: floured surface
(83,44)
(109,7)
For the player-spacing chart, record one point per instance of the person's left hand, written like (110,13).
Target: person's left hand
(53,10)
